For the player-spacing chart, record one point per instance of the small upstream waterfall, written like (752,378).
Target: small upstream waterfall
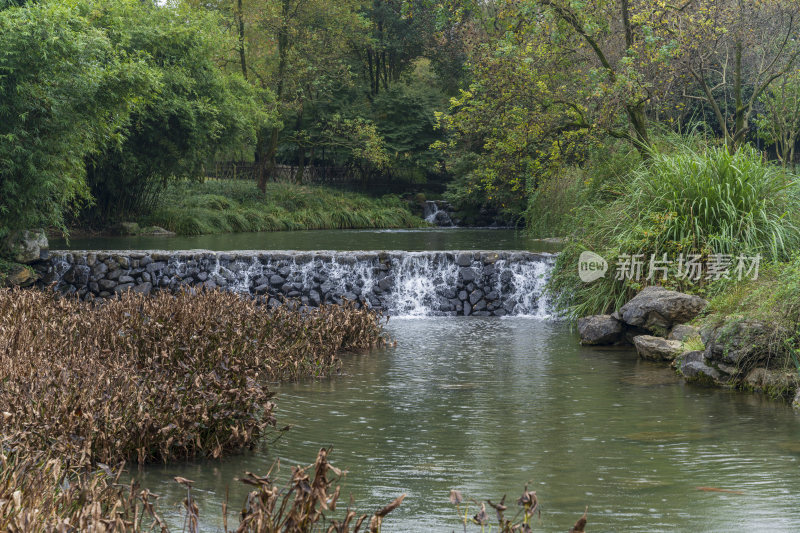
(436,213)
(399,283)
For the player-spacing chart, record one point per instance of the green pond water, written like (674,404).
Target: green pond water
(486,405)
(342,240)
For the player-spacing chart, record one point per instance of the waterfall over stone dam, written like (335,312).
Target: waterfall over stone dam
(481,283)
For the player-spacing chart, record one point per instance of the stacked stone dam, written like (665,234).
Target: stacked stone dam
(400,283)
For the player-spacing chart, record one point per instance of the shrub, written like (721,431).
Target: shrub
(65,92)
(710,202)
(200,111)
(685,202)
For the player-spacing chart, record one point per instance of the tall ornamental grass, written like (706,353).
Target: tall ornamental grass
(689,200)
(707,202)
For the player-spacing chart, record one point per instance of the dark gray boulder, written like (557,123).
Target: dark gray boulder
(143,288)
(467,274)
(464,259)
(740,344)
(694,368)
(599,329)
(657,307)
(107,284)
(776,383)
(119,289)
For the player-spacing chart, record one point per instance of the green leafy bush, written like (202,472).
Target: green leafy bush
(64,93)
(709,202)
(200,110)
(688,201)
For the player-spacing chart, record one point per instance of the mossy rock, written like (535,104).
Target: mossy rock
(20,276)
(775,383)
(24,246)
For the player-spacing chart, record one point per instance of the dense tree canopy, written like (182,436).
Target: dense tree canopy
(198,110)
(548,78)
(105,101)
(65,94)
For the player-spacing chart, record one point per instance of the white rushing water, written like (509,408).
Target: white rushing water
(434,214)
(419,284)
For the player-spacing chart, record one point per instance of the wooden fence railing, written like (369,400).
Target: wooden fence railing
(235,170)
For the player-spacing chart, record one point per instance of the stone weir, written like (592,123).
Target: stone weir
(400,283)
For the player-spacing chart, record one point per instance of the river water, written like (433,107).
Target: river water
(484,405)
(342,240)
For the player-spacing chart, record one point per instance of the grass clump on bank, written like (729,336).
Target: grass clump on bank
(688,200)
(191,208)
(773,302)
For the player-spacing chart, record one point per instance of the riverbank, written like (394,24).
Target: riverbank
(214,206)
(743,338)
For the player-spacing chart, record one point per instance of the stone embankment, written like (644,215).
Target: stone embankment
(425,283)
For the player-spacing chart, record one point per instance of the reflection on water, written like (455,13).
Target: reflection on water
(486,405)
(340,240)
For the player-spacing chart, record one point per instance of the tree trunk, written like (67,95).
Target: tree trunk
(265,159)
(301,150)
(641,138)
(740,122)
(240,17)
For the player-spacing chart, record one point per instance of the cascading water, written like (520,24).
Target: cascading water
(399,283)
(434,213)
(420,285)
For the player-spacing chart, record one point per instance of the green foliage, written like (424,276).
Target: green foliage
(557,202)
(405,116)
(712,202)
(779,123)
(688,201)
(65,91)
(693,344)
(231,206)
(199,111)
(772,299)
(357,138)
(552,206)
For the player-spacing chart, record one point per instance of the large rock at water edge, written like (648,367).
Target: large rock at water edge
(657,348)
(599,329)
(26,246)
(694,367)
(657,307)
(775,383)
